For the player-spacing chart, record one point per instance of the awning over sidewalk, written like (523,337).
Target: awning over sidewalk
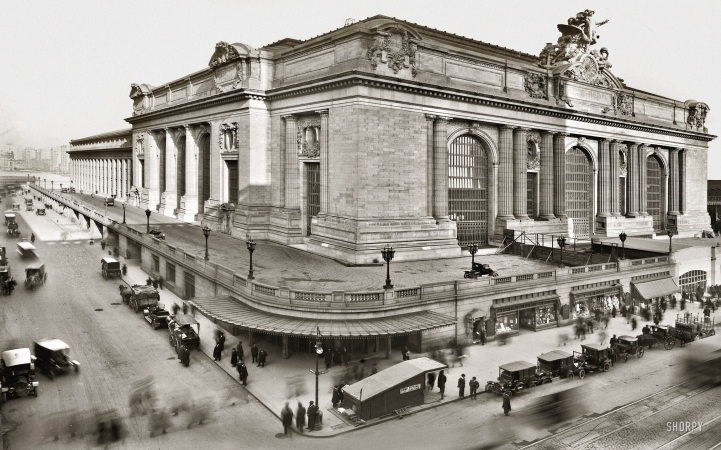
(657,288)
(232,312)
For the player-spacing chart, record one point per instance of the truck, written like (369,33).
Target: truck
(140,297)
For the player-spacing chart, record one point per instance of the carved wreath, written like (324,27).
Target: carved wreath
(587,71)
(309,137)
(535,85)
(228,136)
(624,104)
(394,46)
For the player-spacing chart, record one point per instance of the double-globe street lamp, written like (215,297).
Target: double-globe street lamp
(250,243)
(125,204)
(473,249)
(318,353)
(388,253)
(147,214)
(670,238)
(623,237)
(561,243)
(206,233)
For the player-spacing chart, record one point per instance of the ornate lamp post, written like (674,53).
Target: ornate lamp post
(61,187)
(473,249)
(561,243)
(670,238)
(52,185)
(623,237)
(206,233)
(147,214)
(388,254)
(250,243)
(45,180)
(318,353)
(125,204)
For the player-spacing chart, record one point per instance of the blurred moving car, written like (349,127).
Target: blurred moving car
(26,250)
(52,356)
(157,233)
(18,371)
(156,315)
(35,276)
(110,267)
(703,362)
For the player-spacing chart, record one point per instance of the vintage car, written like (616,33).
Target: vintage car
(26,250)
(593,357)
(64,190)
(52,356)
(16,206)
(35,276)
(557,364)
(627,346)
(156,315)
(71,190)
(29,206)
(157,233)
(110,267)
(514,377)
(479,270)
(139,296)
(18,371)
(40,212)
(9,218)
(184,330)
(109,201)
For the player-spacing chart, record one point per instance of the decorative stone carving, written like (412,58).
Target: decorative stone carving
(228,137)
(229,77)
(224,52)
(622,163)
(624,104)
(309,137)
(395,47)
(697,115)
(199,131)
(533,158)
(139,139)
(535,85)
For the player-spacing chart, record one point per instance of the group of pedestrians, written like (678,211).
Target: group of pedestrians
(336,356)
(286,416)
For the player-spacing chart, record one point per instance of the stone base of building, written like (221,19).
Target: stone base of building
(633,226)
(285,227)
(690,223)
(530,227)
(168,202)
(149,198)
(354,241)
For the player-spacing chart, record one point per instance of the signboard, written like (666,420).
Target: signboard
(408,389)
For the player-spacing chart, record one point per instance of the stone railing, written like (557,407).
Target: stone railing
(262,293)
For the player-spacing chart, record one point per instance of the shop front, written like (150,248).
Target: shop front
(534,314)
(585,302)
(647,296)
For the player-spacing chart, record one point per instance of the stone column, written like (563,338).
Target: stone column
(440,169)
(429,164)
(642,178)
(673,186)
(682,166)
(520,166)
(292,169)
(559,172)
(546,181)
(632,175)
(323,161)
(171,169)
(604,178)
(152,181)
(122,190)
(614,164)
(216,178)
(505,172)
(189,201)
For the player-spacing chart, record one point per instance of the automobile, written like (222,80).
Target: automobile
(52,357)
(9,218)
(514,377)
(156,315)
(40,212)
(64,190)
(16,206)
(13,229)
(35,276)
(184,330)
(109,201)
(28,206)
(139,296)
(629,345)
(593,357)
(18,372)
(557,364)
(71,190)
(478,270)
(110,267)
(26,250)
(28,201)
(157,233)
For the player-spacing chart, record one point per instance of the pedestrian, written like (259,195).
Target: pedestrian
(442,383)
(300,418)
(346,356)
(32,238)
(216,352)
(613,340)
(184,355)
(221,340)
(254,352)
(483,336)
(242,373)
(341,394)
(312,411)
(160,282)
(286,416)
(613,311)
(602,336)
(583,332)
(462,385)
(327,358)
(431,380)
(589,324)
(562,338)
(239,350)
(624,312)
(337,357)
(336,397)
(506,402)
(406,353)
(706,314)
(634,324)
(683,304)
(606,319)
(234,358)
(473,385)
(262,355)
(374,370)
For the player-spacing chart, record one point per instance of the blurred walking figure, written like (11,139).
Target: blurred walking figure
(184,355)
(473,385)
(374,370)
(442,383)
(336,397)
(239,350)
(262,355)
(254,352)
(624,312)
(327,358)
(602,336)
(503,338)
(234,358)
(242,372)
(406,353)
(431,380)
(159,421)
(198,414)
(634,324)
(216,352)
(562,338)
(506,402)
(286,416)
(346,356)
(300,418)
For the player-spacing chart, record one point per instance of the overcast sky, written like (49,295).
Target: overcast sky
(66,66)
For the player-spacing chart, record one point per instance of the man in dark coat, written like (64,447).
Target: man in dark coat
(221,341)
(254,352)
(243,373)
(216,352)
(346,356)
(431,380)
(184,355)
(506,402)
(234,358)
(312,412)
(336,397)
(300,418)
(406,354)
(327,358)
(262,355)
(286,415)
(442,383)
(239,350)
(462,385)
(474,385)
(337,357)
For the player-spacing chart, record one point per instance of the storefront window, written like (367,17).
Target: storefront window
(505,323)
(545,315)
(587,306)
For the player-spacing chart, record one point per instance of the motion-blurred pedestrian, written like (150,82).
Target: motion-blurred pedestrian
(602,336)
(327,358)
(483,335)
(634,324)
(562,338)
(506,402)
(217,352)
(374,370)
(624,312)
(406,353)
(262,355)
(239,350)
(613,312)
(335,399)
(346,356)
(341,394)
(254,352)
(286,416)
(234,358)
(431,380)
(242,372)
(300,417)
(442,383)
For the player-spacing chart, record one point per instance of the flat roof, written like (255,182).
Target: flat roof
(555,355)
(391,377)
(16,357)
(517,365)
(26,246)
(53,344)
(595,346)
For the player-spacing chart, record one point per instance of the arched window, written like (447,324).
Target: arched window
(468,189)
(654,192)
(578,191)
(691,280)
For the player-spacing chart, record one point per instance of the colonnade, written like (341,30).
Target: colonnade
(103,176)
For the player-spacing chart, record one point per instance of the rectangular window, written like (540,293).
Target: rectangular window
(312,176)
(143,183)
(531,194)
(189,285)
(232,181)
(156,263)
(170,272)
(506,323)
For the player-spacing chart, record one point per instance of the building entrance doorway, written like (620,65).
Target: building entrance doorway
(468,190)
(312,204)
(578,191)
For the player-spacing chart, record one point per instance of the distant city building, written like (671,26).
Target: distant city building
(64,159)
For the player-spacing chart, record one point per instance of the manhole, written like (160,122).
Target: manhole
(99,309)
(115,304)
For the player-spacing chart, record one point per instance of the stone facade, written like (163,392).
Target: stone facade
(102,164)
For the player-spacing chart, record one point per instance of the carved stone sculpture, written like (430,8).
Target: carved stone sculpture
(622,163)
(624,104)
(308,137)
(139,138)
(697,115)
(395,47)
(535,85)
(224,52)
(228,136)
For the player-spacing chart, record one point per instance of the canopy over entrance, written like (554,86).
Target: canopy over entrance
(657,288)
(231,311)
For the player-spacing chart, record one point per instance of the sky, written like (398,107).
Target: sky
(66,66)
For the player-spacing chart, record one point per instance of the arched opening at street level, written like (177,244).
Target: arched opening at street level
(690,281)
(468,189)
(579,199)
(655,192)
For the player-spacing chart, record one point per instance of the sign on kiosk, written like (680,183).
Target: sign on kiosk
(408,389)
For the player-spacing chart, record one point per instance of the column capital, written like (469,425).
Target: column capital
(431,117)
(547,132)
(187,126)
(289,117)
(507,127)
(675,149)
(609,140)
(322,112)
(562,134)
(443,118)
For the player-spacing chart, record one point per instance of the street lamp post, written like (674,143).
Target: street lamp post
(52,185)
(206,233)
(561,243)
(45,180)
(670,238)
(147,214)
(388,254)
(250,243)
(125,204)
(317,372)
(623,237)
(473,249)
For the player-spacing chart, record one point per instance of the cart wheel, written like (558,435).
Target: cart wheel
(488,388)
(581,374)
(640,352)
(712,333)
(625,358)
(606,367)
(669,344)
(546,381)
(570,376)
(465,275)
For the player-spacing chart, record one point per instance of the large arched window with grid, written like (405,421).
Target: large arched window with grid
(691,280)
(468,189)
(578,191)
